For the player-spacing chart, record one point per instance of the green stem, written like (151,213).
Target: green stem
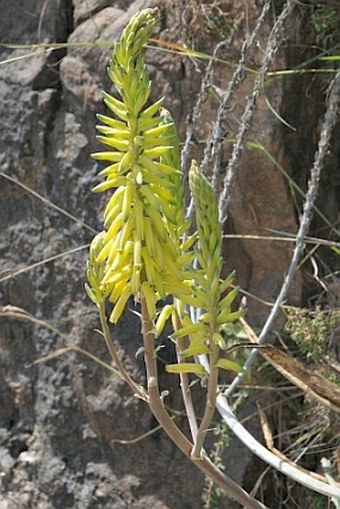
(138,390)
(210,403)
(185,385)
(156,405)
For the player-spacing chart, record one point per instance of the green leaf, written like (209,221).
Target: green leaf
(189,329)
(228,299)
(198,349)
(236,330)
(225,316)
(186,367)
(93,294)
(219,340)
(330,58)
(227,282)
(229,365)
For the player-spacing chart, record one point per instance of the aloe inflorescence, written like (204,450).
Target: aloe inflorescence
(142,251)
(148,249)
(208,288)
(143,219)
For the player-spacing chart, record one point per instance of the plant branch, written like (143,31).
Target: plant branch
(197,111)
(139,391)
(271,459)
(218,134)
(184,383)
(157,407)
(210,405)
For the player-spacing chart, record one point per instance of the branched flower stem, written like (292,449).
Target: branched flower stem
(185,385)
(115,357)
(157,407)
(210,405)
(140,252)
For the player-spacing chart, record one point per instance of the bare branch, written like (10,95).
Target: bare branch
(214,145)
(137,390)
(197,111)
(234,160)
(313,185)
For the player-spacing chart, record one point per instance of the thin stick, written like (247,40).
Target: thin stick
(247,116)
(313,185)
(138,390)
(185,385)
(43,262)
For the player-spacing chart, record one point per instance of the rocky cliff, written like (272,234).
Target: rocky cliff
(71,434)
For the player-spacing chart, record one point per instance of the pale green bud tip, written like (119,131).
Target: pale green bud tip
(96,246)
(201,188)
(208,227)
(136,35)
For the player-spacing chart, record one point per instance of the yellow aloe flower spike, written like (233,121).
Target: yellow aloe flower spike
(140,246)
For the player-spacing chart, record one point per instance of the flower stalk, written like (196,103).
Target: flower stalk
(159,411)
(181,345)
(140,246)
(141,252)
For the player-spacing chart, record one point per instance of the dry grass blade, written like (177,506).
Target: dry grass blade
(48,202)
(74,349)
(267,435)
(316,241)
(43,262)
(21,314)
(17,313)
(312,384)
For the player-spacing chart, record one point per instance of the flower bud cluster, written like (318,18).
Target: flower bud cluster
(140,249)
(208,290)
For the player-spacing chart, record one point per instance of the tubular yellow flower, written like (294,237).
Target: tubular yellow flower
(95,272)
(140,246)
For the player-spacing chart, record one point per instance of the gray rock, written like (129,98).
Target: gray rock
(63,420)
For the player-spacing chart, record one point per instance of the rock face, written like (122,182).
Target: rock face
(71,434)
